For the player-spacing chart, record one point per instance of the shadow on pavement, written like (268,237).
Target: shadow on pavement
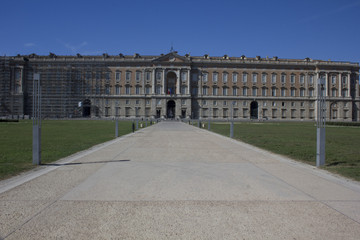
(80,163)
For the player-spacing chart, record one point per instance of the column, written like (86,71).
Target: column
(306,76)
(188,82)
(178,81)
(348,85)
(143,82)
(163,81)
(339,93)
(153,82)
(326,84)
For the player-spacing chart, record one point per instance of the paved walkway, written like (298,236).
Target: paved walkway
(174,181)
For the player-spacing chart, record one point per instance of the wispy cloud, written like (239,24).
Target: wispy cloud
(331,12)
(73,48)
(29,44)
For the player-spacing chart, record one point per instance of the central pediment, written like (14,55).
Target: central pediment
(171,57)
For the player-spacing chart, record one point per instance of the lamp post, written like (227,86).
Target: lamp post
(320,124)
(36,151)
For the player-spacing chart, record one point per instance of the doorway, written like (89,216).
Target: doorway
(254,110)
(86,108)
(170,109)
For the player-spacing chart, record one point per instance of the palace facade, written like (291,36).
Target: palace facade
(175,86)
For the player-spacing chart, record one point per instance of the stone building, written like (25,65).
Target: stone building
(174,86)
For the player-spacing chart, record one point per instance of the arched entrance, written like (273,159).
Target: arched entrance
(171,83)
(86,108)
(170,109)
(254,110)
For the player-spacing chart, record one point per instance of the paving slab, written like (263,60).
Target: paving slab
(175,181)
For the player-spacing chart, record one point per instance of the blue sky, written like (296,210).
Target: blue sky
(319,29)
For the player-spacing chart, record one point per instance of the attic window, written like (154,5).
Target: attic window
(275,58)
(136,55)
(243,57)
(206,56)
(258,58)
(121,55)
(105,55)
(225,57)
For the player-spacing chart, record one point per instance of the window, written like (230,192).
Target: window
(234,77)
(195,91)
(147,90)
(263,92)
(344,92)
(274,113)
(147,102)
(158,76)
(214,103)
(283,104)
(194,77)
(234,103)
(127,102)
(244,92)
(183,76)
(127,90)
(205,77)
(215,77)
(254,78)
(292,79)
(97,89)
(183,89)
(263,78)
(128,76)
(158,102)
(98,76)
(293,104)
(302,92)
(107,89)
(311,92)
(225,103)
(244,103)
(302,104)
(283,78)
(244,77)
(273,92)
(148,76)
(254,91)
(215,91)
(158,89)
(117,76)
(234,91)
(292,92)
(204,102)
(311,79)
(138,76)
(333,79)
(344,80)
(333,92)
(107,76)
(273,104)
(225,77)
(302,79)
(225,91)
(88,76)
(273,78)
(205,90)
(183,102)
(137,102)
(283,92)
(137,90)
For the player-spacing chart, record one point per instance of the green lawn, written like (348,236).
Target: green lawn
(298,141)
(60,138)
